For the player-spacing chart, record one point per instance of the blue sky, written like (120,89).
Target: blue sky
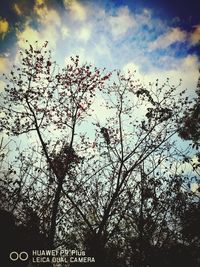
(158,39)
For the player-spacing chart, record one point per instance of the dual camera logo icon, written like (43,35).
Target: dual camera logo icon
(14,256)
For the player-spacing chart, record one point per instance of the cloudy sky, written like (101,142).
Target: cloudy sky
(156,38)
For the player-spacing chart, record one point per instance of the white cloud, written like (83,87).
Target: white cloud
(144,18)
(194,188)
(83,56)
(27,34)
(85,33)
(4,64)
(187,69)
(133,69)
(102,47)
(49,31)
(77,10)
(189,62)
(122,22)
(33,35)
(64,32)
(100,112)
(91,31)
(17,8)
(2,86)
(4,26)
(47,16)
(172,36)
(180,68)
(195,35)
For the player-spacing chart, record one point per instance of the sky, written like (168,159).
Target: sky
(156,38)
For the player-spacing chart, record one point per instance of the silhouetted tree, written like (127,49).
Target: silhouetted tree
(115,191)
(190,123)
(39,98)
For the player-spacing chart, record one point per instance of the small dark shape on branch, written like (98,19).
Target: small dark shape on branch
(106,136)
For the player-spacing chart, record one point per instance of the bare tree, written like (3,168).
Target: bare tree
(114,189)
(41,98)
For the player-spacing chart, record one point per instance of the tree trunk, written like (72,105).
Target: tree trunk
(54,214)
